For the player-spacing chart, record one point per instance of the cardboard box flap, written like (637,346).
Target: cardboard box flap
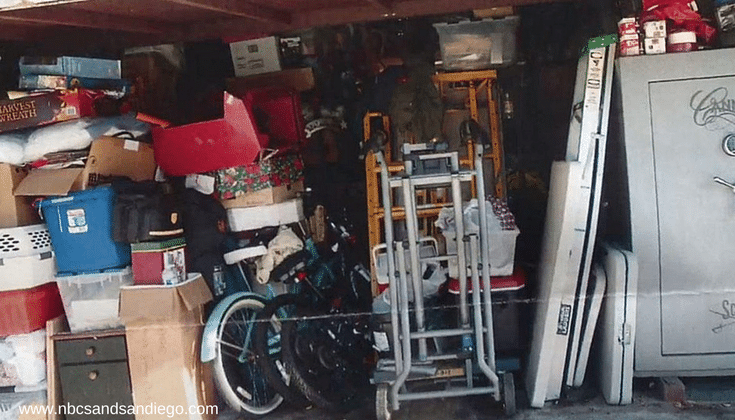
(120,157)
(162,303)
(42,182)
(194,293)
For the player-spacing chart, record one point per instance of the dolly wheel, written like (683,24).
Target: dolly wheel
(509,394)
(382,405)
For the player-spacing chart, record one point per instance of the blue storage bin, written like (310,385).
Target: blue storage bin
(80,226)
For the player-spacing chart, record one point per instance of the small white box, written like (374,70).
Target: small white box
(655,45)
(250,218)
(256,56)
(655,29)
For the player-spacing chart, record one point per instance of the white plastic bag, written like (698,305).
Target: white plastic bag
(12,148)
(31,343)
(70,135)
(280,247)
(470,211)
(31,369)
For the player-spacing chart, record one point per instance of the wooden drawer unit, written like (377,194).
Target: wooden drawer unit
(94,374)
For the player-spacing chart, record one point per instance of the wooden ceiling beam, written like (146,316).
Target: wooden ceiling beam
(90,20)
(401,9)
(240,9)
(382,4)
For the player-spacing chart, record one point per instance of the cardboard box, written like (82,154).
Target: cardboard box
(47,108)
(163,329)
(299,80)
(108,156)
(654,29)
(48,81)
(71,66)
(256,56)
(655,45)
(15,211)
(234,140)
(271,173)
(265,197)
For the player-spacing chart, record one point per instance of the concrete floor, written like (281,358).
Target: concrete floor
(581,404)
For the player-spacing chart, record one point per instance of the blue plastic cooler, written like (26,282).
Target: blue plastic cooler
(80,226)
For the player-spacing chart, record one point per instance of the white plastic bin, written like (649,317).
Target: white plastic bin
(91,300)
(474,45)
(26,257)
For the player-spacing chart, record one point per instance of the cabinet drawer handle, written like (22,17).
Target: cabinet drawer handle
(90,351)
(93,375)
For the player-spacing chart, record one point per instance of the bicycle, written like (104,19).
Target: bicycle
(311,343)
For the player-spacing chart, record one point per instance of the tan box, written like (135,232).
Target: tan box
(299,80)
(108,156)
(266,196)
(163,329)
(15,211)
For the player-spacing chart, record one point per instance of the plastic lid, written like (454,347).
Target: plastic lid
(683,37)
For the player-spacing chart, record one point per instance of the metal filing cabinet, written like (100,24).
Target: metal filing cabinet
(678,133)
(94,372)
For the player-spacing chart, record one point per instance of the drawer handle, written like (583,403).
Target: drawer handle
(93,375)
(90,351)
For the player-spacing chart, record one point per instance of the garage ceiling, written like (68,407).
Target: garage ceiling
(138,22)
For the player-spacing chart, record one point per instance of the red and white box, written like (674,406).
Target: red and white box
(151,258)
(630,47)
(627,28)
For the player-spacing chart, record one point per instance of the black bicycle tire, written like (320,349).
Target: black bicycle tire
(291,393)
(298,376)
(221,375)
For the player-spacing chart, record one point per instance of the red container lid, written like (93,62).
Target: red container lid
(515,281)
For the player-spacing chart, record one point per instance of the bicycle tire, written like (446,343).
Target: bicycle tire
(240,382)
(268,347)
(331,389)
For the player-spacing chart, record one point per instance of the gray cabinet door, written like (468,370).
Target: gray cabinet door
(690,118)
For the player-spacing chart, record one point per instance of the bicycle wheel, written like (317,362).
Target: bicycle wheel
(268,346)
(325,356)
(237,375)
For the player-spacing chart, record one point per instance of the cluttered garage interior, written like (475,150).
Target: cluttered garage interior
(349,208)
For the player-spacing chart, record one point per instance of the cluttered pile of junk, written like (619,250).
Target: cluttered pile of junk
(152,266)
(123,236)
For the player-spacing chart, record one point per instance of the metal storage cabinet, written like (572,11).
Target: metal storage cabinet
(678,129)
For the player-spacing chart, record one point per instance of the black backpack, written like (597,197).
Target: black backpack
(145,212)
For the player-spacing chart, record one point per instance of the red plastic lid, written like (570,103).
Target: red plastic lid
(515,281)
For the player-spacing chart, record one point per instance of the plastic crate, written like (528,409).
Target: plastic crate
(91,301)
(80,226)
(23,311)
(24,241)
(474,45)
(502,252)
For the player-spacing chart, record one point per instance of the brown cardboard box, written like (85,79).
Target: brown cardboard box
(15,211)
(266,196)
(108,156)
(299,80)
(163,328)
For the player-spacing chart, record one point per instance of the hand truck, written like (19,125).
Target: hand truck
(405,376)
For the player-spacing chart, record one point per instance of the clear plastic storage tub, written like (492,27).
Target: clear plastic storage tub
(474,45)
(91,300)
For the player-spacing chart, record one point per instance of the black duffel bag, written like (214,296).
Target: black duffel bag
(145,212)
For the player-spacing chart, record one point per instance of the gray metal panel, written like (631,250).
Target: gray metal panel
(696,215)
(634,75)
